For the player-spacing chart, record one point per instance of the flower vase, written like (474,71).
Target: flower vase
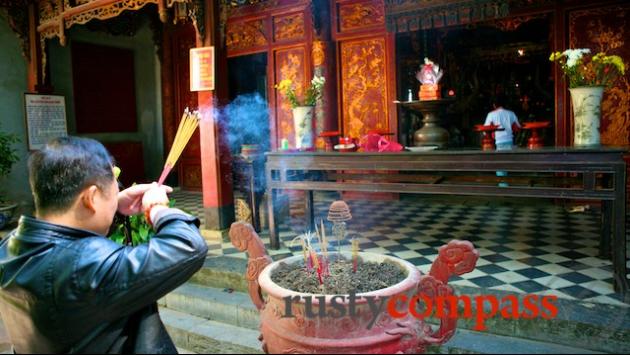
(303,125)
(586,103)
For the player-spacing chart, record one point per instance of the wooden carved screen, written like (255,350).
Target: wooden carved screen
(289,64)
(365,61)
(606,29)
(364,86)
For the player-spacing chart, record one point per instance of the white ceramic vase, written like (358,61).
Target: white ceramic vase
(586,102)
(303,125)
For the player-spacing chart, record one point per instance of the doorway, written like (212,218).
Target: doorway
(247,115)
(506,57)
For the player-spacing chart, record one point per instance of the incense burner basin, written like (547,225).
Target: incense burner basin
(293,322)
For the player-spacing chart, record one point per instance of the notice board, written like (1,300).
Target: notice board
(45,119)
(202,69)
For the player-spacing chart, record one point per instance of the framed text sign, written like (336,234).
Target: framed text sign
(45,119)
(202,69)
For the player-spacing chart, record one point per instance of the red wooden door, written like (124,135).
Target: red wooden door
(189,165)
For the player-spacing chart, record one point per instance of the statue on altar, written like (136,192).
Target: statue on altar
(429,75)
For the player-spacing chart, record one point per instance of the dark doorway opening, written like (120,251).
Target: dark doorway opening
(247,114)
(482,60)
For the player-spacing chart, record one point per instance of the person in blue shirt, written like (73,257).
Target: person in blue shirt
(507,120)
(504,118)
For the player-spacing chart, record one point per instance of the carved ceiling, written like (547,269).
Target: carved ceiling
(414,15)
(56,16)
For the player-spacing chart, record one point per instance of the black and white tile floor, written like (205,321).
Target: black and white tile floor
(534,248)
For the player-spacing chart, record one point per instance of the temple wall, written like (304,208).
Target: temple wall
(147,140)
(13,84)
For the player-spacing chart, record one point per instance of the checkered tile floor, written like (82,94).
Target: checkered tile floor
(539,249)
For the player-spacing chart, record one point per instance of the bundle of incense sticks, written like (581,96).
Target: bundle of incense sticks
(317,265)
(187,127)
(305,240)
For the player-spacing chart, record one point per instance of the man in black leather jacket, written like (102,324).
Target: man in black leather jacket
(64,287)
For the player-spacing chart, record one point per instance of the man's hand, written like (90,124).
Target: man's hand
(130,201)
(156,195)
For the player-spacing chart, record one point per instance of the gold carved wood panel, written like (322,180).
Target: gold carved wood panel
(290,27)
(364,86)
(290,64)
(361,15)
(246,35)
(606,29)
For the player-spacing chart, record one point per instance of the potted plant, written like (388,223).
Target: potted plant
(588,76)
(131,230)
(303,109)
(354,329)
(8,157)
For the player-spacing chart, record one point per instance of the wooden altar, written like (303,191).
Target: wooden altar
(601,173)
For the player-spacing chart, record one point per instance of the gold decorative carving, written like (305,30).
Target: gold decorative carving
(360,15)
(57,15)
(106,12)
(364,86)
(49,10)
(289,27)
(244,35)
(319,53)
(291,66)
(513,23)
(605,30)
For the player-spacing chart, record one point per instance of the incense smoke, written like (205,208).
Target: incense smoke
(246,121)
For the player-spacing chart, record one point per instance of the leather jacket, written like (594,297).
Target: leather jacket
(64,290)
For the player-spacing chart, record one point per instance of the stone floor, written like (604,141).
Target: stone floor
(528,246)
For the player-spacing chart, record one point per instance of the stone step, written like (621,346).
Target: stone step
(234,308)
(202,336)
(470,342)
(597,327)
(222,272)
(192,330)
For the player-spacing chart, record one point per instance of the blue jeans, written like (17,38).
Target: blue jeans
(504,146)
(502,173)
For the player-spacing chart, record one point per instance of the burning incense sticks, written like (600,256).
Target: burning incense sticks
(324,247)
(355,254)
(317,266)
(187,127)
(305,253)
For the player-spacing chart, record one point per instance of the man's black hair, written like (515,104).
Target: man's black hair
(499,100)
(66,166)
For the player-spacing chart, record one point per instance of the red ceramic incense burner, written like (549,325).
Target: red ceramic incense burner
(347,144)
(350,334)
(535,141)
(328,137)
(487,143)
